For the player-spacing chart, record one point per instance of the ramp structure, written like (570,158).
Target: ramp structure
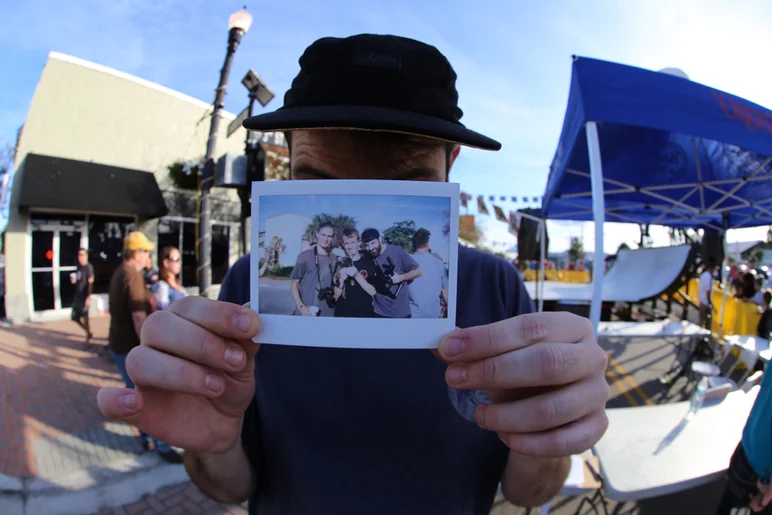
(636,276)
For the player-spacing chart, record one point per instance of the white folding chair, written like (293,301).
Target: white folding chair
(735,368)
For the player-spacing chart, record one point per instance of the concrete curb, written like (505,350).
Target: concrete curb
(90,490)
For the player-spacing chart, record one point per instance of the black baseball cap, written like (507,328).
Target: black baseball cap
(370,235)
(374,82)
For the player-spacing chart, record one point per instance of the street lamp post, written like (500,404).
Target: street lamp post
(238,24)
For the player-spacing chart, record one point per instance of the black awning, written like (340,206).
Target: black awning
(58,183)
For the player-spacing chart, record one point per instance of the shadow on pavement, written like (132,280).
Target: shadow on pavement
(50,421)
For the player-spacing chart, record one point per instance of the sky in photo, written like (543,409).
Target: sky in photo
(377,211)
(513,61)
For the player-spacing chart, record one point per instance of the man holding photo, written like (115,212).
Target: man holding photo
(425,291)
(354,294)
(505,400)
(311,285)
(394,266)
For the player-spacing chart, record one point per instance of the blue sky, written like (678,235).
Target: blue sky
(377,211)
(512,58)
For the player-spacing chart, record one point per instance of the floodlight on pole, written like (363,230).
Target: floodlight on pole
(257,88)
(238,24)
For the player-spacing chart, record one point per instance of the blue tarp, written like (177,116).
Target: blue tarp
(674,152)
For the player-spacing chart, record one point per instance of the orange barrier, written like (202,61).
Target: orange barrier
(740,317)
(563,276)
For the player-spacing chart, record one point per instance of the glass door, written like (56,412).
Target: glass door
(69,243)
(54,258)
(43,270)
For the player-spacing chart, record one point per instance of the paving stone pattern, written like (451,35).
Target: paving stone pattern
(94,447)
(177,500)
(49,420)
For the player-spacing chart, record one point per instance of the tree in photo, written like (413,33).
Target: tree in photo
(340,222)
(576,249)
(401,234)
(623,246)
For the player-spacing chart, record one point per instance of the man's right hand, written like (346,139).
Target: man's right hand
(194,375)
(305,311)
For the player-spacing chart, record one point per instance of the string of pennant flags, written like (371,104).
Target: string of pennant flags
(514,218)
(515,199)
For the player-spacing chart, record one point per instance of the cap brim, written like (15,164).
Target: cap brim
(365,118)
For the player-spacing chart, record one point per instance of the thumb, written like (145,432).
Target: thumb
(254,345)
(441,349)
(122,404)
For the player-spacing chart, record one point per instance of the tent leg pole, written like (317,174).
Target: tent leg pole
(599,217)
(725,281)
(541,264)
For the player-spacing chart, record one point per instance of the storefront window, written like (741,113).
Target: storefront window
(182,234)
(221,239)
(105,241)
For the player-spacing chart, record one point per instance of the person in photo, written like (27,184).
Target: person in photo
(353,293)
(429,292)
(83,279)
(394,269)
(503,401)
(311,283)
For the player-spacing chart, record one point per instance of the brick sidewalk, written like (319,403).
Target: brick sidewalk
(49,421)
(177,500)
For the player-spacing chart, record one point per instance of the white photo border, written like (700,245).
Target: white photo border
(362,333)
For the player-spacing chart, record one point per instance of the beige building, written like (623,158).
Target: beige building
(94,161)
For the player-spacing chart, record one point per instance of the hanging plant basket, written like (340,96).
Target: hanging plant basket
(184,175)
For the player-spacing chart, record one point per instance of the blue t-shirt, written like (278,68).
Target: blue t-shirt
(757,435)
(425,291)
(350,431)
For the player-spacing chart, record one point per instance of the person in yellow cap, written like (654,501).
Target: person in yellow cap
(130,304)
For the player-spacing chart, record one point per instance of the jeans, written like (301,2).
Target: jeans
(120,362)
(741,483)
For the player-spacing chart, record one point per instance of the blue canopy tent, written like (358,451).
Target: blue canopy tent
(647,147)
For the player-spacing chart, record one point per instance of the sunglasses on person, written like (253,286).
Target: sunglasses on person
(173,259)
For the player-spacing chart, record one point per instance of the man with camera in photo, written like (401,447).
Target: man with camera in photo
(394,269)
(353,292)
(429,292)
(311,285)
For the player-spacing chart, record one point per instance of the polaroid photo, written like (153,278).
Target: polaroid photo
(356,264)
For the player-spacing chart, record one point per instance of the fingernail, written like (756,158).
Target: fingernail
(127,401)
(457,374)
(479,416)
(242,322)
(214,383)
(233,356)
(454,346)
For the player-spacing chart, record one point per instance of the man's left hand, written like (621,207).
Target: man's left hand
(87,303)
(544,375)
(397,278)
